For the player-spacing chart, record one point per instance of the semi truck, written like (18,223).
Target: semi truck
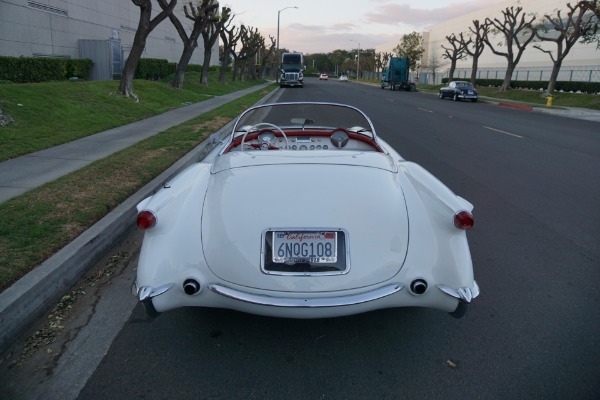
(292,70)
(395,75)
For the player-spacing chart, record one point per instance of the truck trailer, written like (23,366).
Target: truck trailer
(395,75)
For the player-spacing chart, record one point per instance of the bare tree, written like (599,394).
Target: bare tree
(251,42)
(594,34)
(145,26)
(229,37)
(266,56)
(199,15)
(518,31)
(564,32)
(433,65)
(210,34)
(478,34)
(456,51)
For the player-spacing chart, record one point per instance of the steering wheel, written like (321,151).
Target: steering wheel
(269,125)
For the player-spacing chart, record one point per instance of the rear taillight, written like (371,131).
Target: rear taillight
(146,220)
(463,220)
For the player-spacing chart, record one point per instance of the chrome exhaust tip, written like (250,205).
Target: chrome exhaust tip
(418,287)
(191,287)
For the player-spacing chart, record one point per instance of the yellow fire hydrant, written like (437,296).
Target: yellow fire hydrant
(549,102)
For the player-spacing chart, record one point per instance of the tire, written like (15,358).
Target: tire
(441,95)
(473,100)
(149,308)
(455,98)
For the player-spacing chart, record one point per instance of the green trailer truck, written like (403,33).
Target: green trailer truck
(395,75)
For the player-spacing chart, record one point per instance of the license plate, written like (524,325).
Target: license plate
(311,247)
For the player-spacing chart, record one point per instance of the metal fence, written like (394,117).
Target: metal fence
(576,74)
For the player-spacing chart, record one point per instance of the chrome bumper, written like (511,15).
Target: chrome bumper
(293,302)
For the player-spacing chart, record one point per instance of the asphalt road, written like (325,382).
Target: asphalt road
(531,334)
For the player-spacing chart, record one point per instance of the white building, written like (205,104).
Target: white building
(101,30)
(581,64)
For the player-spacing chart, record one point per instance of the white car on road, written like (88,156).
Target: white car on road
(305,213)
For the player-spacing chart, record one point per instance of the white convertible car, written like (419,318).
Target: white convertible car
(305,213)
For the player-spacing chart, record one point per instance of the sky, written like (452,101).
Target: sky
(321,26)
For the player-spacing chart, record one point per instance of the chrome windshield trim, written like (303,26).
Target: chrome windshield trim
(307,302)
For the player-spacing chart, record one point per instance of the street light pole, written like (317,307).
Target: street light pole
(277,52)
(357,58)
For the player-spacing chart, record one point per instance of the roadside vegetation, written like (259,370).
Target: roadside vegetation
(51,113)
(529,97)
(42,221)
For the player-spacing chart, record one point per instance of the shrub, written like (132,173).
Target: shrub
(29,69)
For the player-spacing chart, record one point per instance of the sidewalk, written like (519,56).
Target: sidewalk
(587,114)
(21,174)
(31,296)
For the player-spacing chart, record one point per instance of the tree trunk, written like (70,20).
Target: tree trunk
(224,65)
(474,67)
(184,60)
(205,66)
(139,43)
(452,68)
(510,68)
(554,76)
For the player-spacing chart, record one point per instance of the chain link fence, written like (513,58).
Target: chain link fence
(570,74)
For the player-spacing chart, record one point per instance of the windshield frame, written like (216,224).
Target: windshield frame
(238,125)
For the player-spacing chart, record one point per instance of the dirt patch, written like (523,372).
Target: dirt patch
(212,125)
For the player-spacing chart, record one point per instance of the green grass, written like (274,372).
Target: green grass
(42,221)
(49,114)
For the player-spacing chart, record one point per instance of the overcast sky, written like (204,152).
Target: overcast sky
(321,26)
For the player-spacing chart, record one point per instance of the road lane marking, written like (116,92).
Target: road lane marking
(506,133)
(423,109)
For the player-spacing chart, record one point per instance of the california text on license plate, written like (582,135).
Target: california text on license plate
(313,247)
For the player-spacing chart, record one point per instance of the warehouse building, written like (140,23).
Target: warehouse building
(100,30)
(581,64)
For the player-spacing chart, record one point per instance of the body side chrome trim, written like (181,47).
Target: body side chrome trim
(291,302)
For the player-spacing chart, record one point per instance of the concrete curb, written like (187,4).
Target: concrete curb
(38,291)
(516,106)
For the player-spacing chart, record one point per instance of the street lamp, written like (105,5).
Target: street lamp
(357,58)
(277,52)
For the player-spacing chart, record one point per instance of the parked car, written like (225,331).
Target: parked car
(459,90)
(323,77)
(343,78)
(305,212)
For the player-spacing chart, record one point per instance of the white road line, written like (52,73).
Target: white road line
(423,109)
(506,133)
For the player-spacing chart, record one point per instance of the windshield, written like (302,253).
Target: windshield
(464,85)
(306,116)
(303,126)
(291,67)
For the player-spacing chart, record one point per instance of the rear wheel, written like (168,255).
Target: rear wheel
(149,308)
